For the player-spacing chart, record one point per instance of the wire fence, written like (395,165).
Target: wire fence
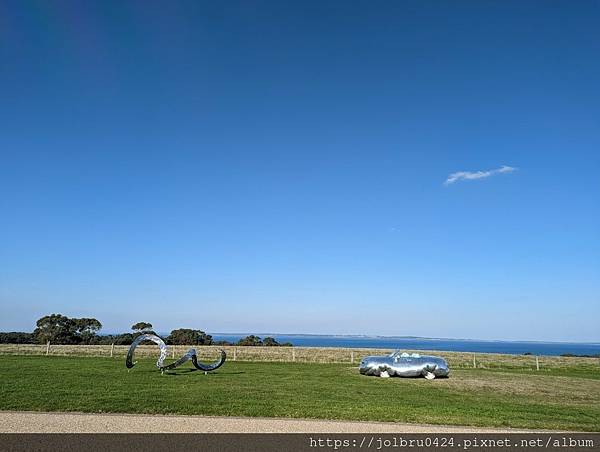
(304,355)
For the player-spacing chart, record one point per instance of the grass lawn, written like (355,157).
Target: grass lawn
(566,399)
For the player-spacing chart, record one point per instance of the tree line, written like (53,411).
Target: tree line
(60,329)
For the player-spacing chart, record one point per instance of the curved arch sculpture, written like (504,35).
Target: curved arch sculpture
(190,355)
(404,365)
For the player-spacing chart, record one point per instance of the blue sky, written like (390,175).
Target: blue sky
(394,168)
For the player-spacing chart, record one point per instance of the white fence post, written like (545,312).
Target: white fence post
(293,354)
(474,363)
(112,349)
(351,356)
(234,353)
(47,348)
(537,363)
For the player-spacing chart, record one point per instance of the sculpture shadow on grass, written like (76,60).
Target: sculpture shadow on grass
(184,372)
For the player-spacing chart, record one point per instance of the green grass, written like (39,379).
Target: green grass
(554,399)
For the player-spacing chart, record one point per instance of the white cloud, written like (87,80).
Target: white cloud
(472,175)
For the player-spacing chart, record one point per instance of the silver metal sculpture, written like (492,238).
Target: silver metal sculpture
(404,365)
(190,355)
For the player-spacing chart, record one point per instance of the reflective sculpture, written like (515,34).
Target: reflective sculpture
(190,355)
(404,365)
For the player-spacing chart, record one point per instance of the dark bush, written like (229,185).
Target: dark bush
(186,336)
(16,337)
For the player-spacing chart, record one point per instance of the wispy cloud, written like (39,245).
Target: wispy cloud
(472,175)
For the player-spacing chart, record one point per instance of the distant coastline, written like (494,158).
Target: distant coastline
(373,336)
(423,343)
(542,348)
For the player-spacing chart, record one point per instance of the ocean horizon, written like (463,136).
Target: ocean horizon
(545,348)
(511,347)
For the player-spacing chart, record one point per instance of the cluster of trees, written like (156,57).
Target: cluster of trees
(60,329)
(186,336)
(253,340)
